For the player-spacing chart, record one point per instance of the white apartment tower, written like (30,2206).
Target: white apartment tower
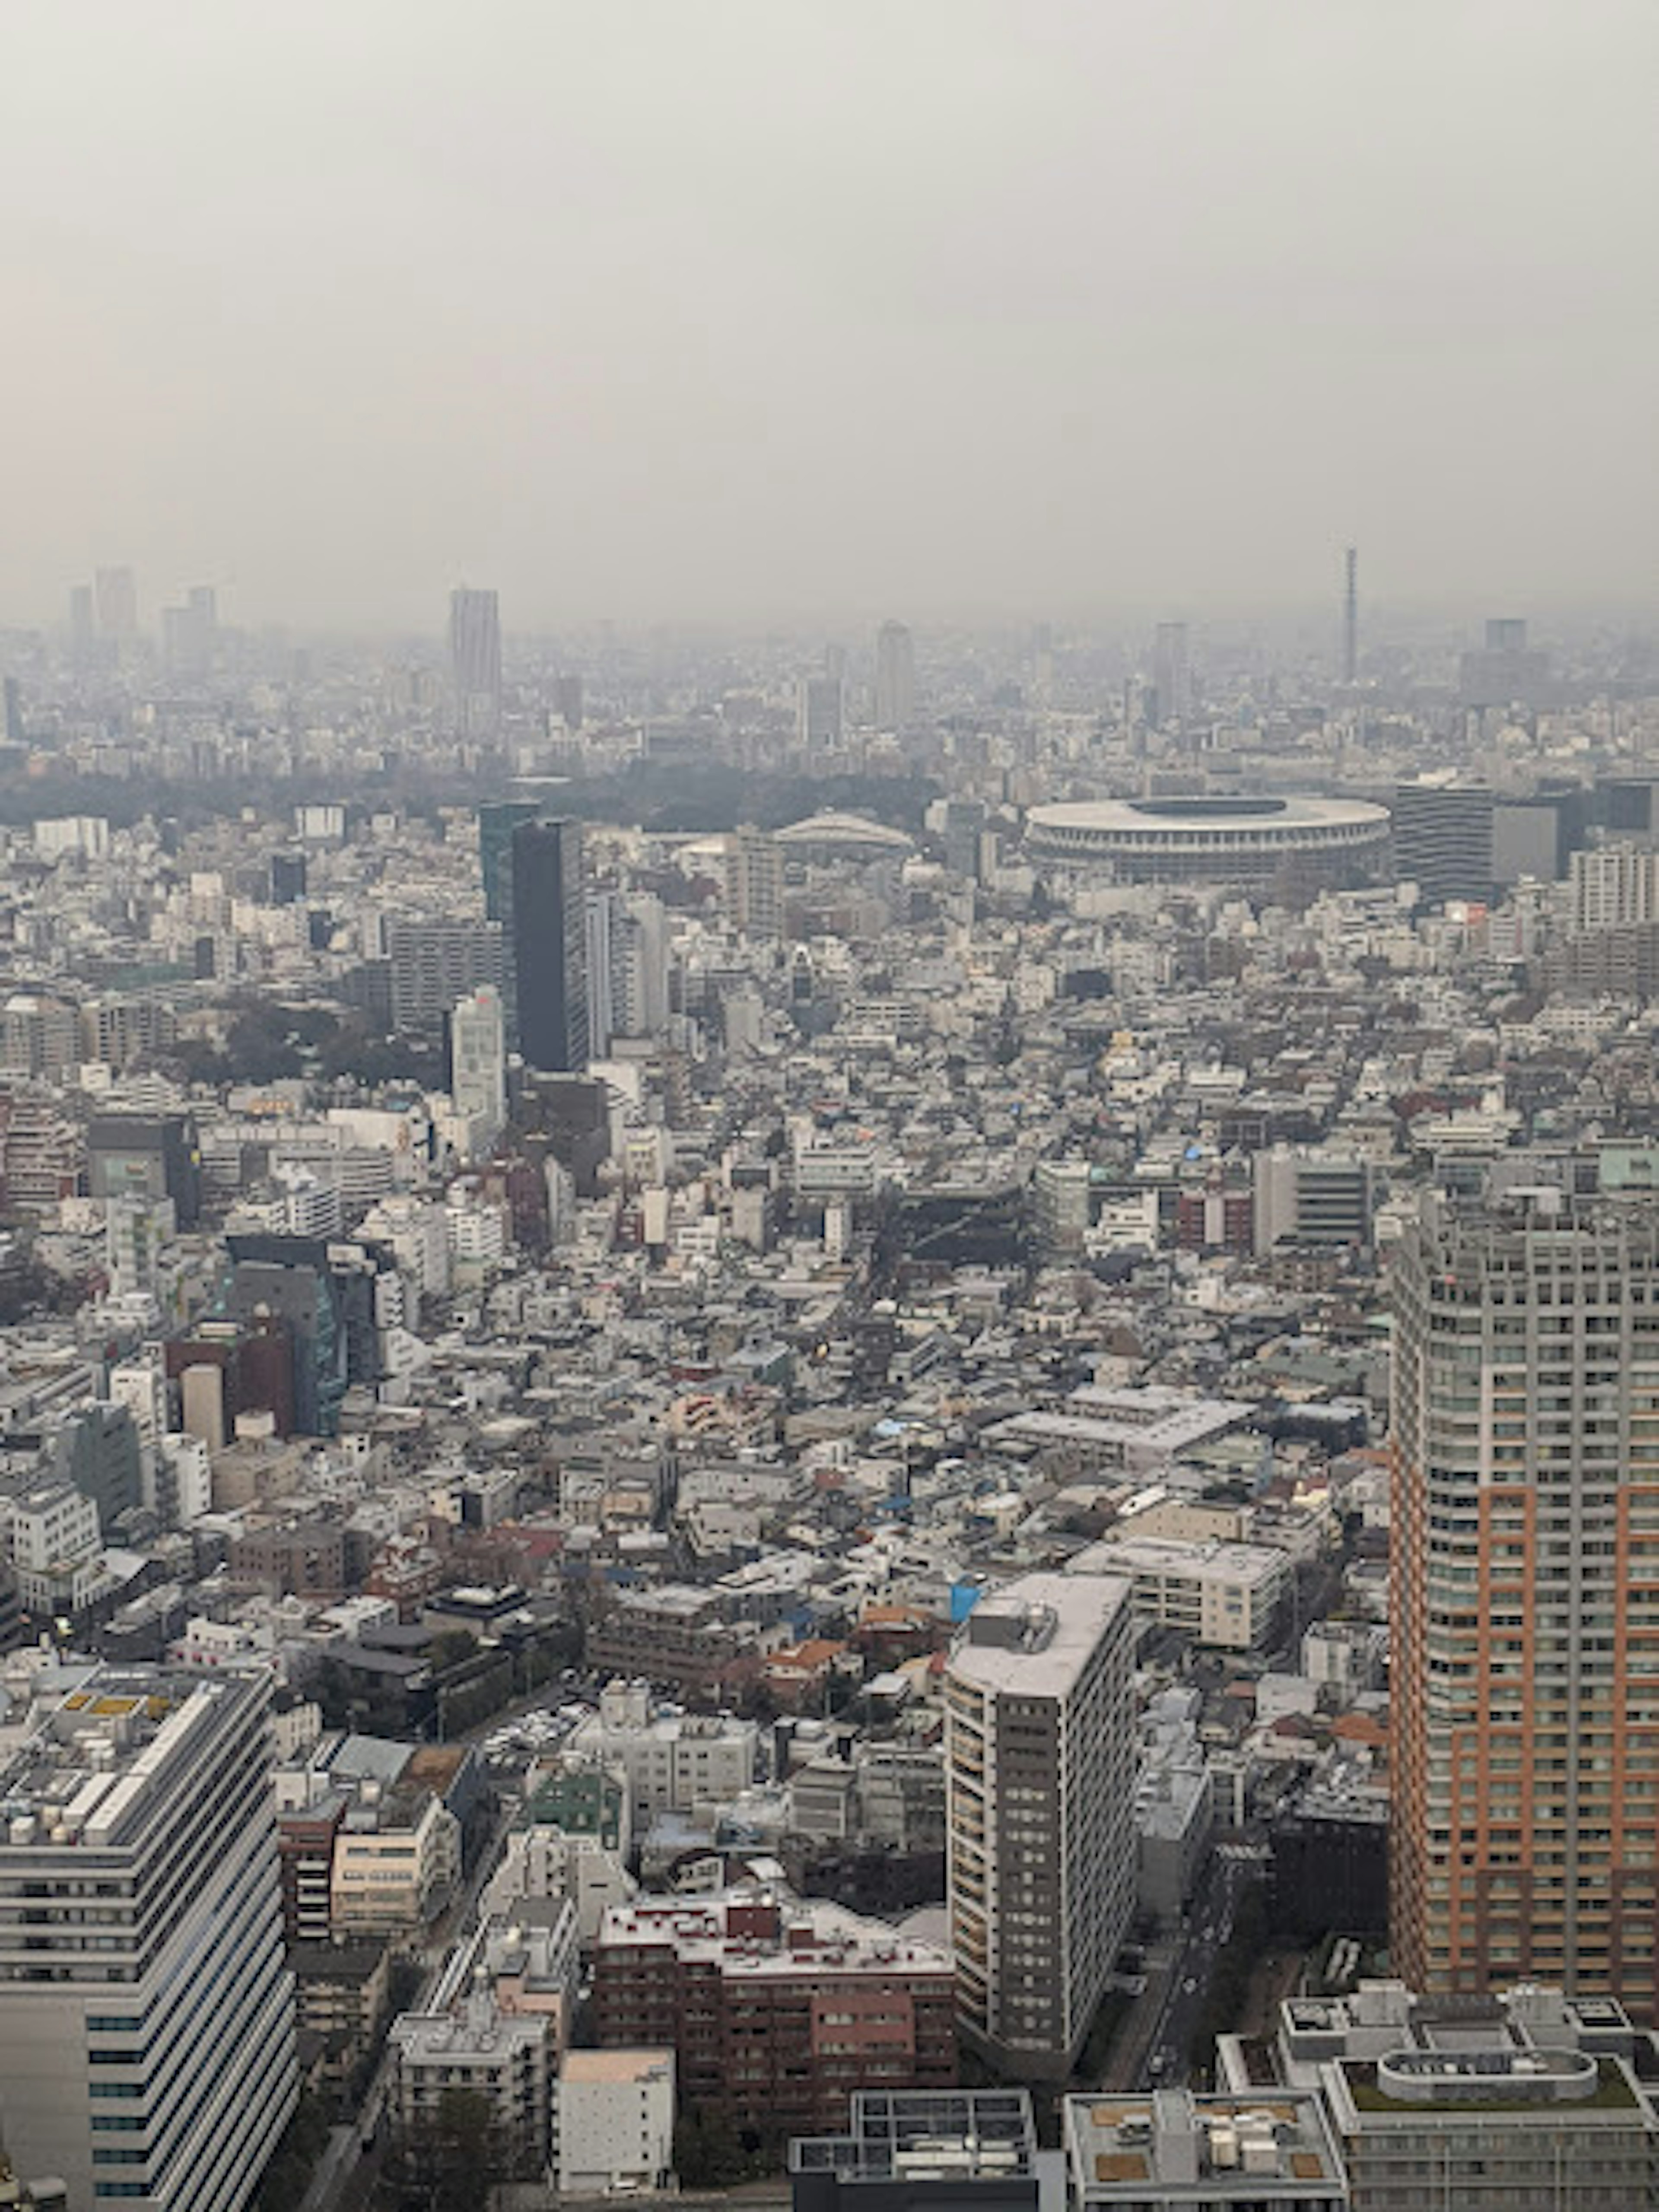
(147,2037)
(477,1061)
(1040,1758)
(1613,887)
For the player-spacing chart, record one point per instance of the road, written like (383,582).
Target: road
(1153,2056)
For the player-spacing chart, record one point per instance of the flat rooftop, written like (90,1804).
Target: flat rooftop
(1035,1635)
(1178,2147)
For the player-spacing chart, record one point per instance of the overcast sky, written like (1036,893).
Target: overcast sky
(763,309)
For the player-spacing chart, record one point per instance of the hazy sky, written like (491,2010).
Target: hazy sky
(816,308)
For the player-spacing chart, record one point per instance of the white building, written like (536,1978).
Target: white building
(1225,1594)
(613,2121)
(478,1063)
(674,1762)
(145,1790)
(503,2057)
(1040,1755)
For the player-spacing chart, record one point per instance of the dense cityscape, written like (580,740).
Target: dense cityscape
(870,1417)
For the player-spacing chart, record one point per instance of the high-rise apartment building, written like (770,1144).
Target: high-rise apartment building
(1526,1594)
(147,2039)
(478,1060)
(1040,1758)
(435,962)
(1614,886)
(896,676)
(754,883)
(475,662)
(550,944)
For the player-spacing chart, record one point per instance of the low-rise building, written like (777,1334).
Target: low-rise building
(613,2121)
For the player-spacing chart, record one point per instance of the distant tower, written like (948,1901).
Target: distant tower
(1350,616)
(477,1061)
(475,662)
(117,594)
(896,676)
(820,712)
(1171,674)
(82,624)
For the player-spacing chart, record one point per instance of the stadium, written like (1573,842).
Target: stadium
(1212,840)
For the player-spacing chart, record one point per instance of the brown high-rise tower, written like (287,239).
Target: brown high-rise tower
(1526,1594)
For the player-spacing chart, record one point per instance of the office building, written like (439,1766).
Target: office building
(1305,1196)
(475,662)
(1179,2151)
(1443,839)
(550,944)
(1172,687)
(149,1157)
(155,2059)
(913,2150)
(1525,1517)
(1039,1756)
(895,678)
(821,708)
(435,962)
(477,1061)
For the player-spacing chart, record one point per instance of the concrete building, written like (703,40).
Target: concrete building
(1613,887)
(478,1063)
(1223,1595)
(754,883)
(926,2151)
(1177,2151)
(673,1761)
(155,2059)
(475,662)
(1040,1754)
(503,2057)
(776,2006)
(613,2121)
(1443,839)
(1525,1631)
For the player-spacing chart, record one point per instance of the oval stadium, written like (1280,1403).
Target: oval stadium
(1212,840)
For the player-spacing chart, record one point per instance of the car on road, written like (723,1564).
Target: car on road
(1189,1985)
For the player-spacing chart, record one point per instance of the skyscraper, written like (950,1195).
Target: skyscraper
(1040,1765)
(1172,675)
(475,662)
(117,594)
(82,624)
(550,944)
(1525,1602)
(1350,616)
(155,2057)
(820,711)
(896,676)
(477,1061)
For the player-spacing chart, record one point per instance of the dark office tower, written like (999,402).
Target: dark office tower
(820,709)
(1443,839)
(568,702)
(1525,1442)
(82,624)
(896,676)
(475,662)
(1506,634)
(1351,617)
(287,879)
(550,944)
(1171,673)
(118,605)
(14,691)
(497,820)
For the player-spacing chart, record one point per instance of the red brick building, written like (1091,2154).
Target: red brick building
(777,2009)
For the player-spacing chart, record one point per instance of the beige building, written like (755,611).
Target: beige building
(395,1863)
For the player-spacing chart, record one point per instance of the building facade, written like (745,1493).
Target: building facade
(152,2059)
(1040,1750)
(1526,1595)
